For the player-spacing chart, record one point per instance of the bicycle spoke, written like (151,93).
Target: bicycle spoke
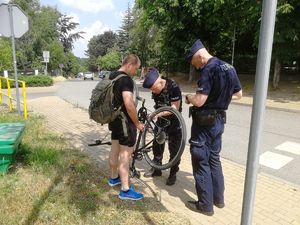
(164,132)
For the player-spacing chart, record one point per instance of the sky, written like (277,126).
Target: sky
(94,17)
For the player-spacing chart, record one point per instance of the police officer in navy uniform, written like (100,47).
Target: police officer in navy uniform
(165,92)
(218,84)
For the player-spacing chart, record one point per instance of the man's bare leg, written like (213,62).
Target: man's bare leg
(114,158)
(124,160)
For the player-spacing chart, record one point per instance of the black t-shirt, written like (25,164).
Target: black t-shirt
(219,81)
(123,84)
(170,93)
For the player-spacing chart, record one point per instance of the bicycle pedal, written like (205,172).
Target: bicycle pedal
(134,173)
(137,174)
(139,157)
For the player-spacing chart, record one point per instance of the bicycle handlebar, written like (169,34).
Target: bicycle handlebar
(139,98)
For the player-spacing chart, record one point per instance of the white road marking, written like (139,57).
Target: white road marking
(288,146)
(274,160)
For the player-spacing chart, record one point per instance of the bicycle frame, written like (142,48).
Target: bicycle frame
(157,131)
(138,151)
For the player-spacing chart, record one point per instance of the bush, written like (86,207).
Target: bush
(31,81)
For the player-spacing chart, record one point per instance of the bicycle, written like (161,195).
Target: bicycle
(158,126)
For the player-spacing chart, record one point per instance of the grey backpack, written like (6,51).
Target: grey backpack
(102,109)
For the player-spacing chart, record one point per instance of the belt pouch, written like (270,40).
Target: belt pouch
(204,117)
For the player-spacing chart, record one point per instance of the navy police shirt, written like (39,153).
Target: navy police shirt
(171,93)
(219,81)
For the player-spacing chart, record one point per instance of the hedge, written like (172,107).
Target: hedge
(31,81)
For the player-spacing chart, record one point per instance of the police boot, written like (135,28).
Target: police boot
(172,177)
(153,173)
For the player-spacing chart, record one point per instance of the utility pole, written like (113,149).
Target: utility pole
(258,110)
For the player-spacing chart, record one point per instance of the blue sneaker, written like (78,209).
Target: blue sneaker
(114,182)
(130,194)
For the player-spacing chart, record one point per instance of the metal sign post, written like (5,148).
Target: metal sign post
(13,23)
(14,56)
(258,111)
(46,57)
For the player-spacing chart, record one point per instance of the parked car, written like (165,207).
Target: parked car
(88,75)
(103,74)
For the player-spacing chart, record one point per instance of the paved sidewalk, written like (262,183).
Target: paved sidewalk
(277,202)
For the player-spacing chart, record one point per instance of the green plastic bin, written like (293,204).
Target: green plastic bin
(10,137)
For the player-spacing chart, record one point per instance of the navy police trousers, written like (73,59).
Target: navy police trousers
(205,147)
(174,139)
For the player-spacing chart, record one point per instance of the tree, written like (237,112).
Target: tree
(6,61)
(72,66)
(47,28)
(42,31)
(123,33)
(181,22)
(111,61)
(287,36)
(145,39)
(92,63)
(65,26)
(169,17)
(99,44)
(57,56)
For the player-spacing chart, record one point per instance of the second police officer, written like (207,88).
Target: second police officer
(165,92)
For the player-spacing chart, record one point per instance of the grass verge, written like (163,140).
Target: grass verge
(51,183)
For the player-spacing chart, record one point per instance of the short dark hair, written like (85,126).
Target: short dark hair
(131,59)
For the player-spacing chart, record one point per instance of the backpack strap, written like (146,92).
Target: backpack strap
(124,122)
(112,94)
(119,76)
(122,114)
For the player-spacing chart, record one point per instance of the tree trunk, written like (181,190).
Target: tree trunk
(276,76)
(233,46)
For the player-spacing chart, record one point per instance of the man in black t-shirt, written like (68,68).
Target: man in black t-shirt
(124,129)
(165,92)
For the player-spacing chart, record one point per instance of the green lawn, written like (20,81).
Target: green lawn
(51,183)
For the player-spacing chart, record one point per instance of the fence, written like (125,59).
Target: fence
(10,97)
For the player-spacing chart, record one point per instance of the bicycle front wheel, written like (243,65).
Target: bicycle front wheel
(164,138)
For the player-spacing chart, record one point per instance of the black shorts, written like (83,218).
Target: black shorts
(125,133)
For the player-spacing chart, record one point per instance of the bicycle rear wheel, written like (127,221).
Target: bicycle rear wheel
(163,133)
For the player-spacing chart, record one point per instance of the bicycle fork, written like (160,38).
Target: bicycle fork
(136,154)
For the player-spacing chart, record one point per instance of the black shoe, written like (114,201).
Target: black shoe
(153,173)
(219,205)
(193,205)
(171,180)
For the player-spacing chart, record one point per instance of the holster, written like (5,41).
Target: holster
(206,117)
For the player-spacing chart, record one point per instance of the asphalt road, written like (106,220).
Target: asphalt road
(280,141)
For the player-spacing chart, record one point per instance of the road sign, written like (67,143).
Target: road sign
(20,21)
(46,56)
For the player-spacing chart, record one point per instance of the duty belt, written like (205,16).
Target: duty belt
(206,117)
(208,111)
